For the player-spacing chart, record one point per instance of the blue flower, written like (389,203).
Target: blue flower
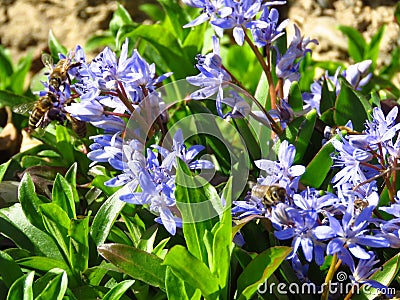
(212,78)
(350,233)
(287,66)
(302,233)
(266,29)
(282,171)
(364,270)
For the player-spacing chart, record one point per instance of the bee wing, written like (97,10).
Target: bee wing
(47,60)
(24,108)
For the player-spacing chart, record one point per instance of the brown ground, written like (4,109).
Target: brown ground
(25,23)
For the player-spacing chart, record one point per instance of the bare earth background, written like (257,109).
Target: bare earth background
(25,24)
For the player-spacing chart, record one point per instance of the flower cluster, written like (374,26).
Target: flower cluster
(347,224)
(146,179)
(110,87)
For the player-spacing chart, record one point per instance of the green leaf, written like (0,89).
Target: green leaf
(259,269)
(105,218)
(167,46)
(175,286)
(15,226)
(385,275)
(55,46)
(56,287)
(43,264)
(328,97)
(56,222)
(120,18)
(221,247)
(10,99)
(30,202)
(153,11)
(178,258)
(295,97)
(9,271)
(348,102)
(319,167)
(63,196)
(194,200)
(22,288)
(18,78)
(372,51)
(175,18)
(356,42)
(3,169)
(79,244)
(6,66)
(70,176)
(299,133)
(99,41)
(64,144)
(136,263)
(118,290)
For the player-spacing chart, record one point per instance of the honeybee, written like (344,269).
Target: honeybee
(59,72)
(360,204)
(269,194)
(42,111)
(78,126)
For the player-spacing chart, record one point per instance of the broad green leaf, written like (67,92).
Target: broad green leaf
(95,274)
(8,98)
(56,287)
(22,288)
(262,91)
(55,46)
(385,275)
(221,248)
(118,290)
(153,11)
(295,97)
(299,133)
(79,244)
(175,18)
(105,218)
(194,200)
(15,226)
(18,78)
(56,222)
(136,263)
(3,169)
(356,42)
(98,182)
(328,97)
(100,41)
(64,144)
(63,196)
(247,134)
(70,176)
(120,17)
(348,102)
(146,242)
(319,167)
(43,264)
(9,271)
(259,269)
(372,51)
(178,258)
(175,286)
(167,46)
(6,65)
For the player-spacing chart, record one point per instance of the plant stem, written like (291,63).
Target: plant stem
(329,276)
(265,67)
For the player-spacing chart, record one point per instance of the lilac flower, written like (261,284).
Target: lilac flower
(310,201)
(349,159)
(212,77)
(302,233)
(242,12)
(266,30)
(378,131)
(288,65)
(282,172)
(351,234)
(364,270)
(357,75)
